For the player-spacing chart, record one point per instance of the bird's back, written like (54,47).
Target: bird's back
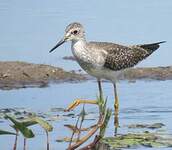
(118,57)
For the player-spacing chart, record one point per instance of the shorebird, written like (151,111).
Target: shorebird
(103,60)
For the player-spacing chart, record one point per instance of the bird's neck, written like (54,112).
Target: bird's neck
(78,47)
(78,44)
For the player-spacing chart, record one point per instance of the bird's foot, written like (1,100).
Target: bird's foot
(78,102)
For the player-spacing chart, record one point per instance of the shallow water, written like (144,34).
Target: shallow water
(30,29)
(151,105)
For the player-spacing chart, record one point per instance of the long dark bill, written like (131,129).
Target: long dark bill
(57,45)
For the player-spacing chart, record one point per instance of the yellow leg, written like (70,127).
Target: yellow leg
(116,105)
(116,108)
(116,123)
(78,102)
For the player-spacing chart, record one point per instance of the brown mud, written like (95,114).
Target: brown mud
(14,74)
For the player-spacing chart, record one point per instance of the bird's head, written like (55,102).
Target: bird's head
(73,32)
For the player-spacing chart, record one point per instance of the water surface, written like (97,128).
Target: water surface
(140,102)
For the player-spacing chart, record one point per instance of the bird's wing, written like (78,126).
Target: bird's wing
(118,57)
(122,57)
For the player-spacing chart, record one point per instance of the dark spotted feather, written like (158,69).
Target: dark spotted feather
(122,57)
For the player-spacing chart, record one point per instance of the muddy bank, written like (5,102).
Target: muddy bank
(21,74)
(153,73)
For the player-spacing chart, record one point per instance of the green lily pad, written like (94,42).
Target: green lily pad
(27,133)
(44,124)
(133,140)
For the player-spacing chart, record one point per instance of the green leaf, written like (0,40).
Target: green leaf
(102,105)
(105,122)
(29,122)
(27,133)
(3,132)
(82,114)
(44,124)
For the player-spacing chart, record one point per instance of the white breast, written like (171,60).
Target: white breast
(82,52)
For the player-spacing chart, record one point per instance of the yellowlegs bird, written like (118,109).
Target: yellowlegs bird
(103,60)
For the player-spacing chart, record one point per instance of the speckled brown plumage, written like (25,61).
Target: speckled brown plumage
(122,57)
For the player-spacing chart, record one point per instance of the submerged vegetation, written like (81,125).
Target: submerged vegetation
(22,126)
(133,140)
(88,137)
(104,116)
(91,136)
(83,136)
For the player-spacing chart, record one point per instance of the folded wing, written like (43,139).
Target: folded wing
(122,57)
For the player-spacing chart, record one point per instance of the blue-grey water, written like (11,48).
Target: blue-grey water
(29,29)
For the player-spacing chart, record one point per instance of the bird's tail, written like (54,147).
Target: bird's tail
(151,47)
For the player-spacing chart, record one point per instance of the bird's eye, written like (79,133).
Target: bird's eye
(75,32)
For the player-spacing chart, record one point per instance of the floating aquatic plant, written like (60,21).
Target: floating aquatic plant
(132,140)
(22,127)
(77,129)
(45,125)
